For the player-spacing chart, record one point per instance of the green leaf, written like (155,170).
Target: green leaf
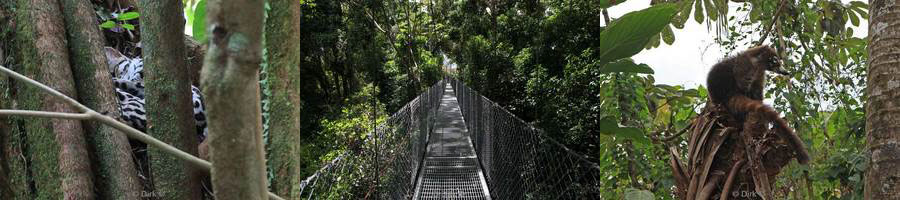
(863,12)
(698,11)
(108,24)
(128,26)
(626,65)
(630,33)
(711,10)
(636,194)
(609,126)
(668,35)
(609,3)
(128,16)
(853,18)
(199,25)
(683,15)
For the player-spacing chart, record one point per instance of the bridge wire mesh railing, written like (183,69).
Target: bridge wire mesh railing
(401,145)
(520,161)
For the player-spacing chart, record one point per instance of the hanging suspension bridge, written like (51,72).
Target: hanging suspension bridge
(452,143)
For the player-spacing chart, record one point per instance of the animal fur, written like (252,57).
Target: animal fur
(737,83)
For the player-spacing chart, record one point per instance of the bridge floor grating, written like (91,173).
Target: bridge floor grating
(451,169)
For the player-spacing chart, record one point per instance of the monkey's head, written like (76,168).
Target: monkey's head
(767,58)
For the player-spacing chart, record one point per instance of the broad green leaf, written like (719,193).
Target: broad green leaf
(128,26)
(199,25)
(626,65)
(853,18)
(683,15)
(668,35)
(108,24)
(653,42)
(630,33)
(711,10)
(863,12)
(698,11)
(188,14)
(637,194)
(609,126)
(128,16)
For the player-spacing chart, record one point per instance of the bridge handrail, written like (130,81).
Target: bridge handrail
(359,147)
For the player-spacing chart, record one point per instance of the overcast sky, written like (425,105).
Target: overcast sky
(687,61)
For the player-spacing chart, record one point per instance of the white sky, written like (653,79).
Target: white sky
(687,61)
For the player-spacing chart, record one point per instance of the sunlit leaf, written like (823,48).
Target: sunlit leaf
(128,26)
(108,24)
(698,11)
(128,16)
(199,26)
(668,36)
(627,35)
(711,10)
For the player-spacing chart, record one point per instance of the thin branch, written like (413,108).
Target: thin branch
(46,88)
(59,115)
(769,28)
(90,114)
(656,135)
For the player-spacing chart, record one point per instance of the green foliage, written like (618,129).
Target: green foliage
(119,20)
(551,64)
(637,194)
(195,15)
(629,34)
(560,66)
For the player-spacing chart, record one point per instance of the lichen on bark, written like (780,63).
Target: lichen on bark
(117,177)
(168,103)
(282,78)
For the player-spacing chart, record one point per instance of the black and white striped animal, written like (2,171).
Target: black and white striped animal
(128,78)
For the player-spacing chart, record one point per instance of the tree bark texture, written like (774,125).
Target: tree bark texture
(117,177)
(168,92)
(59,162)
(230,80)
(883,107)
(12,161)
(282,75)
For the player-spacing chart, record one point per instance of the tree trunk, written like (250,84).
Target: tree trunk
(112,152)
(230,80)
(282,75)
(15,186)
(56,148)
(168,92)
(882,109)
(6,191)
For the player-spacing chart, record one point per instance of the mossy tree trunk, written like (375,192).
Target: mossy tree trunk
(15,185)
(282,75)
(230,80)
(117,177)
(882,108)
(168,92)
(59,163)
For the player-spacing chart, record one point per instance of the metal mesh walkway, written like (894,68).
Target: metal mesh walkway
(451,169)
(453,143)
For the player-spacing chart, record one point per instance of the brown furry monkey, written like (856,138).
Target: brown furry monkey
(737,83)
